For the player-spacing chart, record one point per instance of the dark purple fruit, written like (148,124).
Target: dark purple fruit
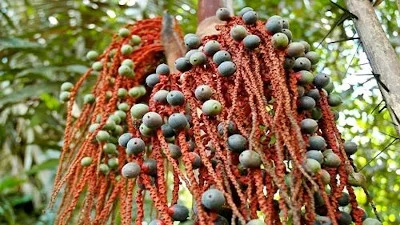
(175,151)
(344,219)
(149,167)
(179,212)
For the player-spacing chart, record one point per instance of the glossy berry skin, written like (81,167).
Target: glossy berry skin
(316,143)
(306,103)
(175,98)
(135,146)
(182,64)
(250,159)
(203,92)
(162,69)
(321,80)
(238,32)
(152,120)
(237,143)
(223,14)
(211,107)
(316,155)
(213,199)
(227,68)
(251,41)
(130,170)
(152,80)
(250,17)
(350,147)
(124,139)
(221,56)
(302,63)
(274,26)
(178,121)
(179,212)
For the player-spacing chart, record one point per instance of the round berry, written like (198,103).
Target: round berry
(308,126)
(149,167)
(123,32)
(321,80)
(314,93)
(350,147)
(316,143)
(167,131)
(211,47)
(211,107)
(89,99)
(162,69)
(66,86)
(152,80)
(86,161)
(223,14)
(122,92)
(313,57)
(137,92)
(138,110)
(238,32)
(128,62)
(192,41)
(250,17)
(316,155)
(130,170)
(332,160)
(306,103)
(182,64)
(136,40)
(146,131)
(306,77)
(334,100)
(104,168)
(245,10)
(227,68)
(295,49)
(280,40)
(109,148)
(152,120)
(203,92)
(250,159)
(126,49)
(92,55)
(301,63)
(135,146)
(175,98)
(179,212)
(251,41)
(198,58)
(237,143)
(178,121)
(213,199)
(274,25)
(160,96)
(175,151)
(306,46)
(97,66)
(221,56)
(102,135)
(125,70)
(312,166)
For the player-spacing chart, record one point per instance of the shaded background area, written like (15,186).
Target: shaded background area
(44,42)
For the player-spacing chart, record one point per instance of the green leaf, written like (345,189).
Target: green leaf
(17,43)
(49,164)
(26,92)
(10,182)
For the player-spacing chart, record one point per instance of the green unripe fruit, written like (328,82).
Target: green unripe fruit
(179,212)
(301,63)
(350,147)
(211,47)
(316,143)
(97,66)
(109,125)
(245,10)
(329,87)
(104,168)
(92,55)
(306,103)
(118,130)
(213,199)
(125,70)
(280,40)
(334,100)
(89,99)
(223,14)
(316,113)
(306,77)
(371,221)
(137,92)
(152,120)
(251,41)
(332,160)
(93,127)
(123,106)
(136,40)
(109,148)
(316,155)
(238,32)
(126,49)
(128,62)
(108,95)
(227,68)
(357,179)
(146,131)
(211,107)
(313,57)
(203,92)
(182,64)
(64,96)
(325,177)
(250,159)
(274,26)
(102,136)
(113,163)
(138,110)
(295,49)
(308,126)
(255,222)
(221,56)
(122,92)
(121,114)
(123,32)
(321,80)
(249,17)
(130,170)
(198,58)
(312,166)
(66,86)
(86,161)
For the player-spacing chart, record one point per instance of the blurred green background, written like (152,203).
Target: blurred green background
(43,43)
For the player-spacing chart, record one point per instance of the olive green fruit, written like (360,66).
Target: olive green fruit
(93,127)
(245,10)
(325,177)
(288,63)
(109,148)
(162,69)
(64,96)
(344,219)
(213,199)
(316,155)
(137,91)
(306,103)
(211,107)
(316,143)
(122,92)
(178,121)
(160,96)
(350,147)
(280,40)
(357,179)
(86,161)
(223,14)
(126,49)
(321,80)
(227,68)
(316,113)
(251,41)
(109,125)
(313,57)
(332,160)
(152,120)
(288,34)
(152,80)
(130,170)
(329,87)
(312,166)
(250,159)
(250,17)
(136,40)
(92,55)
(102,135)
(211,47)
(198,58)
(121,114)
(238,32)
(123,32)
(295,49)
(145,131)
(221,56)
(113,163)
(334,100)
(255,222)
(66,86)
(301,63)
(371,221)
(125,70)
(274,26)
(300,90)
(182,64)
(203,92)
(135,146)
(306,77)
(308,126)
(104,168)
(128,62)
(314,93)
(108,94)
(175,151)
(123,106)
(139,110)
(344,199)
(118,130)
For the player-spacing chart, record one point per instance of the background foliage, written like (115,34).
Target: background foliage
(43,43)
